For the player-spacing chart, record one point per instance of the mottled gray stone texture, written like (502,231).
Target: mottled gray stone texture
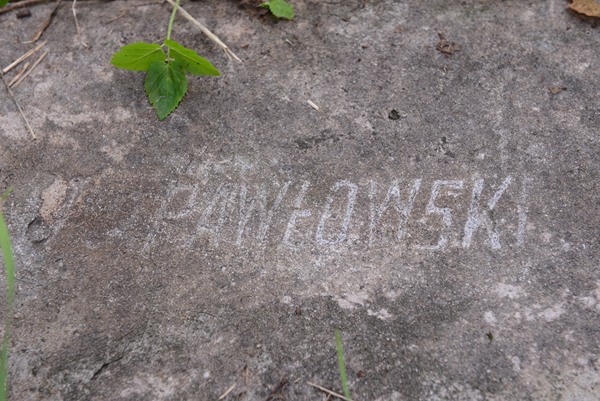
(441,208)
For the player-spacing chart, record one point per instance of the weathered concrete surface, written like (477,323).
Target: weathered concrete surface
(171,260)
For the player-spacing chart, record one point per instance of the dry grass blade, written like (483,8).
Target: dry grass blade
(23,57)
(25,120)
(35,64)
(333,393)
(77,25)
(19,75)
(313,105)
(226,393)
(118,17)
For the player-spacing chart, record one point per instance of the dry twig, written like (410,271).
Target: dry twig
(204,29)
(20,4)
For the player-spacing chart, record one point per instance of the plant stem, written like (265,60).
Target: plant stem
(170,28)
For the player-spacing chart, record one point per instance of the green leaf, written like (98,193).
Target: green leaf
(138,56)
(193,63)
(165,85)
(3,3)
(280,8)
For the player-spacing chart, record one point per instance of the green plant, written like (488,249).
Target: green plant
(3,3)
(280,8)
(9,268)
(342,364)
(166,81)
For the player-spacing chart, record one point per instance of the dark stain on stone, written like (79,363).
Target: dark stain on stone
(394,115)
(311,142)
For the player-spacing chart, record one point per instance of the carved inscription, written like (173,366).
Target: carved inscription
(453,213)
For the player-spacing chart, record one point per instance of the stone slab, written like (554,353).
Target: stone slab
(440,209)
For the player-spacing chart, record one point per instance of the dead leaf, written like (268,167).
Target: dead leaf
(591,8)
(555,90)
(445,46)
